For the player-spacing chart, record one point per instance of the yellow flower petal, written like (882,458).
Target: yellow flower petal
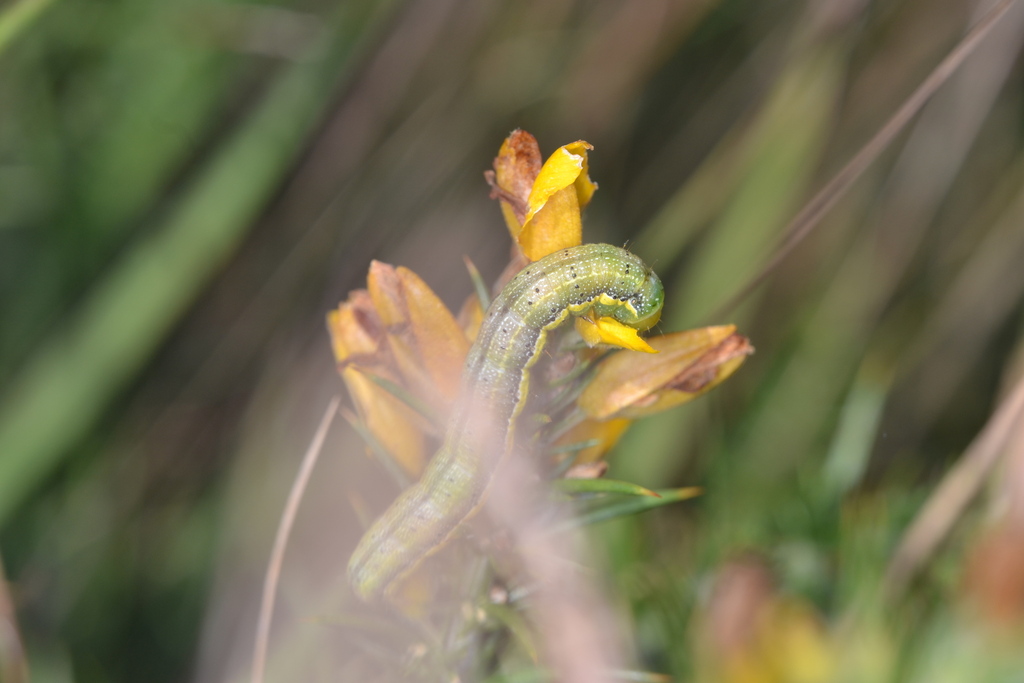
(556,225)
(396,426)
(406,359)
(471,317)
(386,293)
(671,397)
(442,344)
(560,171)
(561,190)
(427,345)
(611,331)
(608,431)
(542,204)
(361,348)
(355,328)
(585,187)
(689,364)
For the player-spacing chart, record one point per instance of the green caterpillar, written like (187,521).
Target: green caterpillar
(601,278)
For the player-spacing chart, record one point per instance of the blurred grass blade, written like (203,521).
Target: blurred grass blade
(17,17)
(957,489)
(811,214)
(786,142)
(405,397)
(696,203)
(479,286)
(781,149)
(855,435)
(574,447)
(522,676)
(386,460)
(284,530)
(640,676)
(538,676)
(603,486)
(517,625)
(71,380)
(631,506)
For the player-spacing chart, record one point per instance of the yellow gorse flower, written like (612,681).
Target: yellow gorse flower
(397,330)
(542,205)
(397,345)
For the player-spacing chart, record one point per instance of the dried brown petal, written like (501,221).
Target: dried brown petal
(687,365)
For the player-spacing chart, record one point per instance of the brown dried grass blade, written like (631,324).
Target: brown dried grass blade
(955,492)
(804,223)
(284,529)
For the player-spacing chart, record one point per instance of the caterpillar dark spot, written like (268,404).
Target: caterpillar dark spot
(495,385)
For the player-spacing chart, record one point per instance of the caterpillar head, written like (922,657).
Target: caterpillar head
(644,309)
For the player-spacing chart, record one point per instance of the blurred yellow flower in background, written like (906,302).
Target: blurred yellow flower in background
(748,632)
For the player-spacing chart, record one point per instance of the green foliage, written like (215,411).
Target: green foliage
(186,188)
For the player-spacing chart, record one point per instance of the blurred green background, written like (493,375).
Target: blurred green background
(187,187)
